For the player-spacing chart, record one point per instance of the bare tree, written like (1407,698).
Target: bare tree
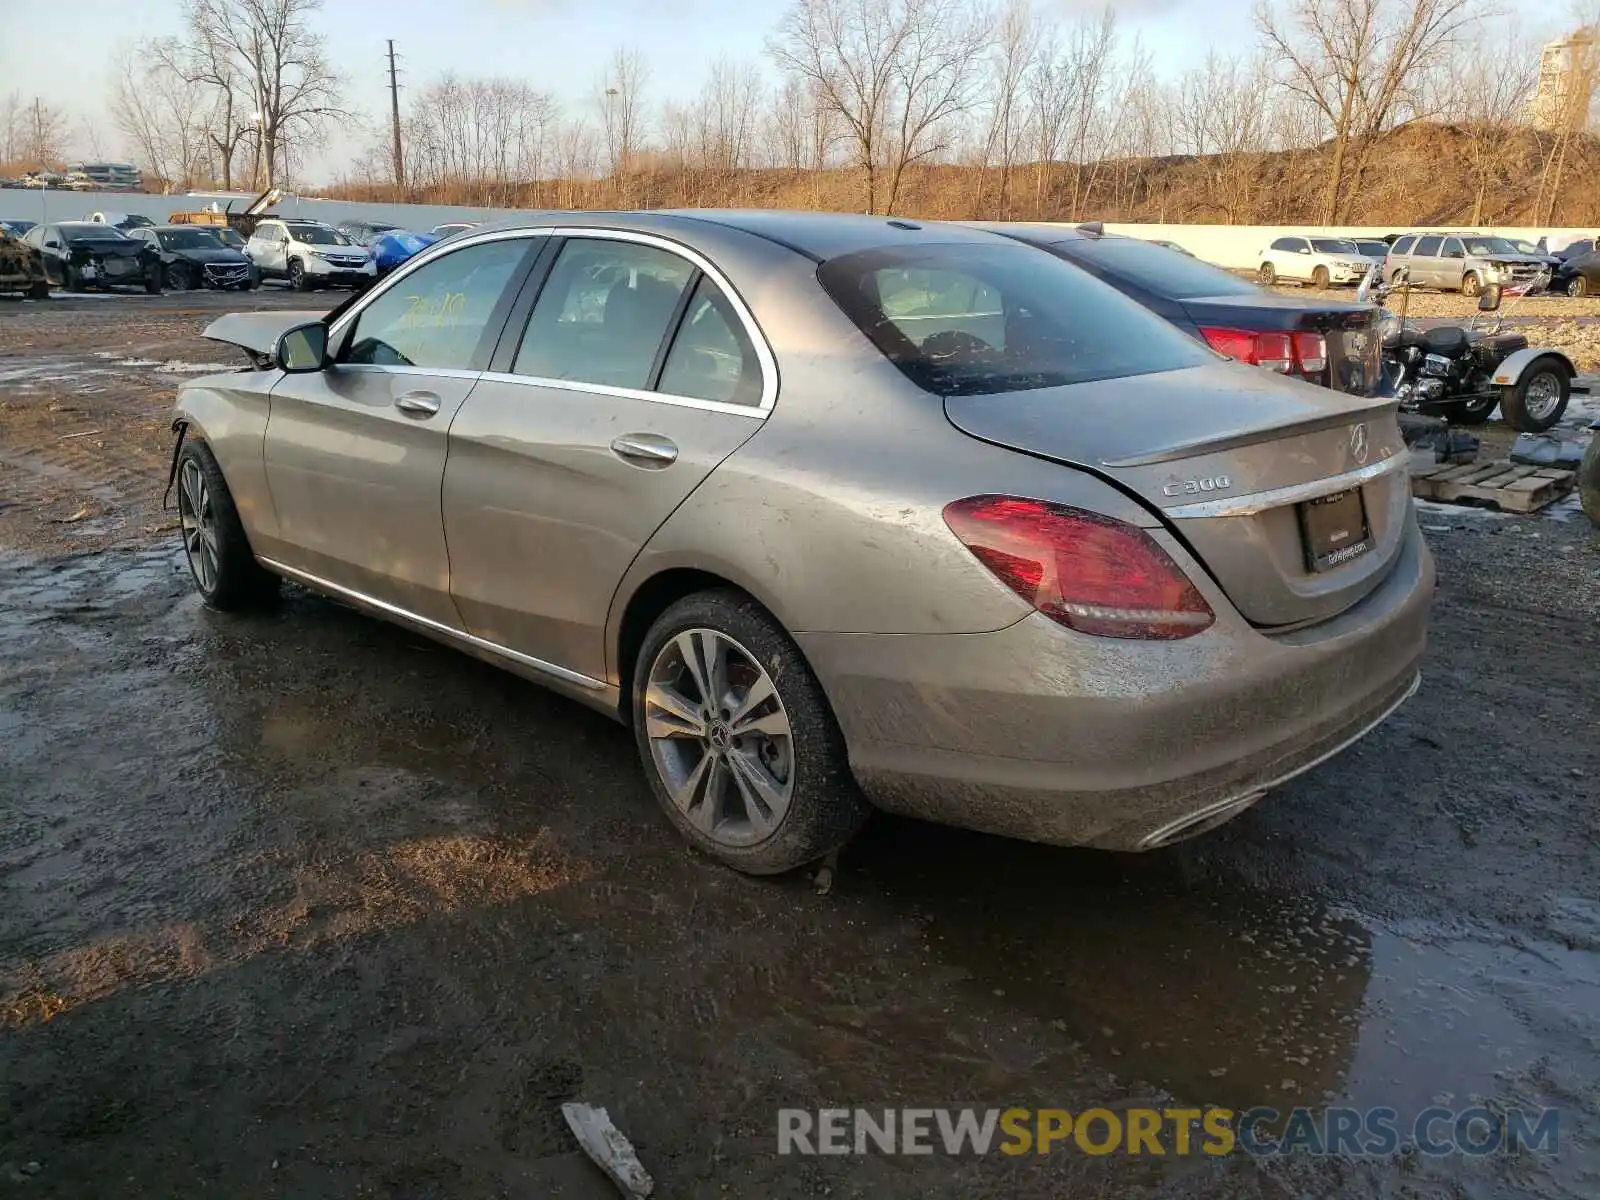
(1069,90)
(160,112)
(1356,61)
(1015,50)
(268,49)
(1224,112)
(622,108)
(33,132)
(894,71)
(1484,90)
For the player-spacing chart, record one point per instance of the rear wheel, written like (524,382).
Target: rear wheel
(224,568)
(1471,284)
(1266,275)
(1319,278)
(1538,399)
(1577,286)
(742,750)
(1589,479)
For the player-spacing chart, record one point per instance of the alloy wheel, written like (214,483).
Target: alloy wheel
(199,526)
(719,737)
(1542,395)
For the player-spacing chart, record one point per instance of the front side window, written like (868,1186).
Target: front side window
(603,313)
(712,357)
(1452,248)
(979,319)
(437,316)
(1428,247)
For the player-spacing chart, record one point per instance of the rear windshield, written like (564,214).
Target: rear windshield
(1156,269)
(976,319)
(1333,246)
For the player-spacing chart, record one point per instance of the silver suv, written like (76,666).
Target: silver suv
(1459,262)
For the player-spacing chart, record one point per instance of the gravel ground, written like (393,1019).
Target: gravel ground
(300,905)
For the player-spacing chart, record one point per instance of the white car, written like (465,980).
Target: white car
(1319,261)
(309,254)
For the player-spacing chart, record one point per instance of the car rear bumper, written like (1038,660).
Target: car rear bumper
(1040,733)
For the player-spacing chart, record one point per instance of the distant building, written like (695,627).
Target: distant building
(122,177)
(1566,83)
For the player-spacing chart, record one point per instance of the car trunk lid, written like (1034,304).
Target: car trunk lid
(1236,462)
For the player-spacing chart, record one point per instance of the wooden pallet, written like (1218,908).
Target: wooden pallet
(1502,483)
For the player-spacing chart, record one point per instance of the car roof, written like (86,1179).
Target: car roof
(818,236)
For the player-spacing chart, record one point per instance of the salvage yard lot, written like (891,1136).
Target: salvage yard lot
(300,904)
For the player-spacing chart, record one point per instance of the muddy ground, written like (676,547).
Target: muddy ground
(301,905)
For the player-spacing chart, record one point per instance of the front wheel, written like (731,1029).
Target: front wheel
(1266,275)
(152,281)
(1471,285)
(298,279)
(742,750)
(73,280)
(1577,286)
(1319,279)
(1476,412)
(225,569)
(1537,400)
(178,277)
(1589,480)
(39,289)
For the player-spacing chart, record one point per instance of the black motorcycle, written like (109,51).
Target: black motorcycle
(1464,373)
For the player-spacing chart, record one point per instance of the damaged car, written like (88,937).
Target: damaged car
(79,255)
(192,256)
(21,267)
(832,511)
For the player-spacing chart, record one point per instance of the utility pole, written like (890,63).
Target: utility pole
(394,108)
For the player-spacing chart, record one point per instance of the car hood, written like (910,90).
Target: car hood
(257,333)
(218,254)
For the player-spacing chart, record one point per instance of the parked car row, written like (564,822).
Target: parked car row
(840,511)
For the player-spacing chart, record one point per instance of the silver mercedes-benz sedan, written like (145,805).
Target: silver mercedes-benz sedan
(833,511)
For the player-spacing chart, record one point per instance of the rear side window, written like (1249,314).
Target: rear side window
(1428,247)
(1403,246)
(977,319)
(603,313)
(1157,270)
(712,357)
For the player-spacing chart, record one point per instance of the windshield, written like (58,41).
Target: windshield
(230,237)
(1373,249)
(189,239)
(1489,245)
(963,319)
(318,235)
(1333,246)
(1154,268)
(92,233)
(1522,247)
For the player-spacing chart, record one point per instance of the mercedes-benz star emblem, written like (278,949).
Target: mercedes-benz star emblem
(1358,444)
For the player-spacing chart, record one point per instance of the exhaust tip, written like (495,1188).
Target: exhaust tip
(1200,821)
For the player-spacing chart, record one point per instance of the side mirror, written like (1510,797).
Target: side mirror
(302,349)
(1490,299)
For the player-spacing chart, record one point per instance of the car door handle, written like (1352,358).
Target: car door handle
(418,404)
(645,449)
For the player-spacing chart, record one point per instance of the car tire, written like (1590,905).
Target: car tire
(298,279)
(39,290)
(73,280)
(1320,278)
(1266,275)
(1471,284)
(1589,480)
(1577,286)
(152,281)
(179,277)
(1475,412)
(1537,400)
(784,792)
(225,570)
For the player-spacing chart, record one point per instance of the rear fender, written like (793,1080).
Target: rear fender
(1515,366)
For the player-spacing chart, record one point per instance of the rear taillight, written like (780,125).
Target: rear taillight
(1086,571)
(1284,353)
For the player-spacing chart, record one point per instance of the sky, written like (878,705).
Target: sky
(560,45)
